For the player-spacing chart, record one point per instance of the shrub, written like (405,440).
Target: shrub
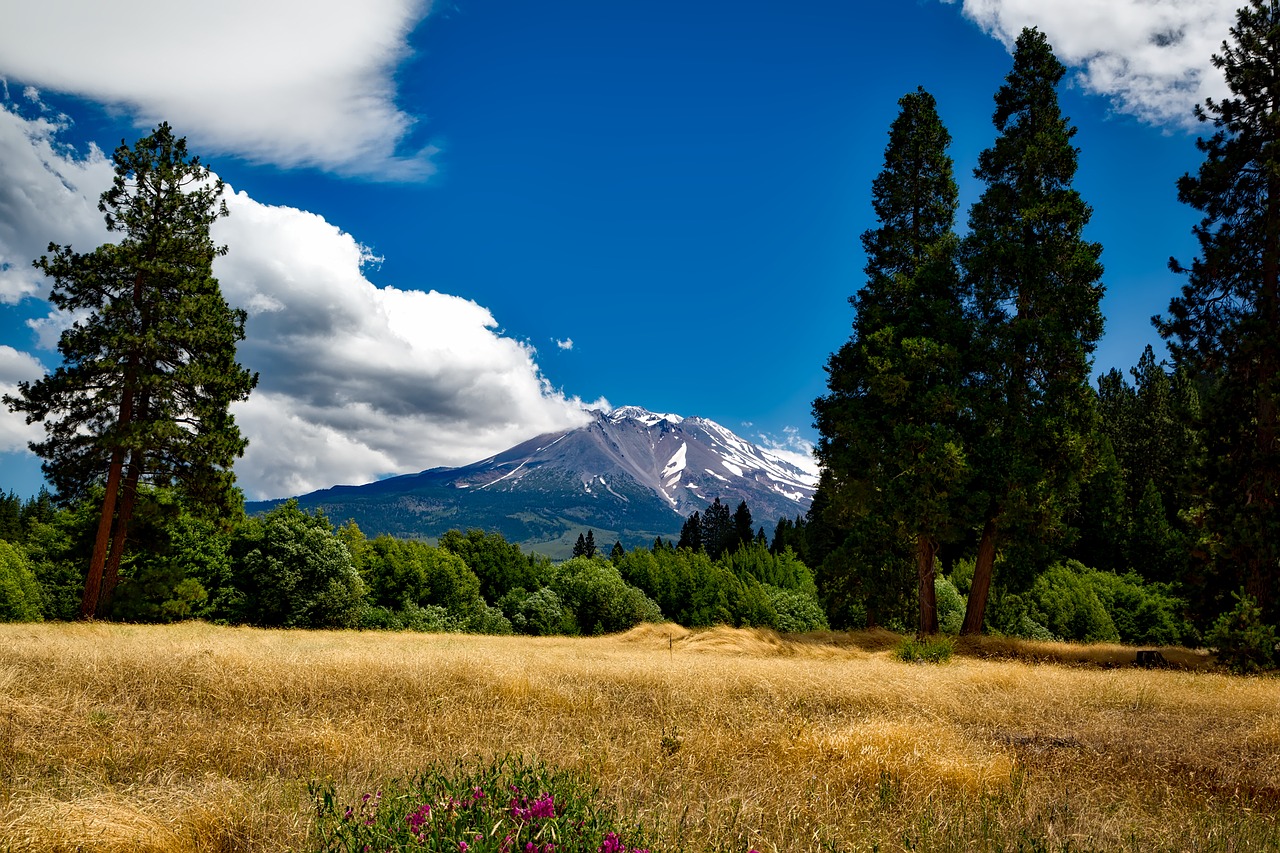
(796,611)
(508,806)
(1063,600)
(600,600)
(934,649)
(951,605)
(20,599)
(291,570)
(1241,640)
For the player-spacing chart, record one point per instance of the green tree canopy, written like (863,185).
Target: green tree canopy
(890,426)
(1035,285)
(149,367)
(1224,327)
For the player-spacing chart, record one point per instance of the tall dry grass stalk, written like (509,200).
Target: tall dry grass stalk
(199,738)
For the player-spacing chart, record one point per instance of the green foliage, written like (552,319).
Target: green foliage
(1063,600)
(592,589)
(1222,328)
(1241,640)
(891,425)
(540,613)
(403,572)
(59,554)
(504,806)
(20,595)
(1035,286)
(951,605)
(1144,612)
(933,649)
(499,565)
(291,570)
(794,612)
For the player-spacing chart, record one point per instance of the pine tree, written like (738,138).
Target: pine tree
(1035,285)
(742,526)
(589,544)
(617,552)
(890,428)
(717,529)
(1224,328)
(580,547)
(148,374)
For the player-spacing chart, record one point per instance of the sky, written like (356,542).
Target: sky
(459,224)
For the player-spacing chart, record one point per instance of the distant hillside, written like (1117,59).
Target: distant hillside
(630,475)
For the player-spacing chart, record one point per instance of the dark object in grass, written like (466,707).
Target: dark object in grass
(1150,659)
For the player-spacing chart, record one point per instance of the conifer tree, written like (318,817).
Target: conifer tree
(1035,285)
(1224,327)
(890,428)
(150,370)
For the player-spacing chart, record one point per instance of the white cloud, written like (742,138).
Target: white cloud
(791,447)
(292,83)
(46,195)
(566,344)
(357,381)
(17,367)
(1152,57)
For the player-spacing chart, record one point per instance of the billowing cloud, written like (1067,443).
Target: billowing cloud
(357,381)
(288,83)
(566,344)
(17,367)
(46,194)
(1152,57)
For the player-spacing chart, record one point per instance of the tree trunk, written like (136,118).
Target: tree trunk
(976,610)
(93,583)
(128,500)
(926,550)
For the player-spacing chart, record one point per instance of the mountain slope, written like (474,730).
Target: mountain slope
(630,474)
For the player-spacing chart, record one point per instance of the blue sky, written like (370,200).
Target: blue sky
(457,225)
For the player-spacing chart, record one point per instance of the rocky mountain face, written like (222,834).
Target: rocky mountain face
(630,475)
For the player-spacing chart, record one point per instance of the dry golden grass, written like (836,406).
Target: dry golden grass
(198,738)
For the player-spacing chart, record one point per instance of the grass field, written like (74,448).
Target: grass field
(199,738)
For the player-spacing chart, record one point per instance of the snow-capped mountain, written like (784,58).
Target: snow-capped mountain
(630,474)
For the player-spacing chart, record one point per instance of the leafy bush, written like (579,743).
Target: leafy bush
(951,605)
(540,613)
(1241,640)
(509,806)
(20,598)
(1064,601)
(935,649)
(600,600)
(291,570)
(796,612)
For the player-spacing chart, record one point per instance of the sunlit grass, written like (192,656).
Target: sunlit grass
(197,738)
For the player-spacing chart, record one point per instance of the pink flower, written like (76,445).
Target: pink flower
(462,847)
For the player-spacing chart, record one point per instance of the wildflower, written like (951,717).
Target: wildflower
(476,793)
(611,844)
(462,847)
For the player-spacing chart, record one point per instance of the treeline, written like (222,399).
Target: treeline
(960,428)
(289,568)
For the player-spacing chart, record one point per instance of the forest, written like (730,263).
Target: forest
(975,476)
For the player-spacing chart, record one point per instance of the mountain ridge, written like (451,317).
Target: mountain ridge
(629,474)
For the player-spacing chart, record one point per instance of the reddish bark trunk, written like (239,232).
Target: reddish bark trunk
(93,582)
(926,550)
(980,589)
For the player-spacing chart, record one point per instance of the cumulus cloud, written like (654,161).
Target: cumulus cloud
(566,344)
(1152,57)
(17,367)
(357,381)
(288,83)
(46,194)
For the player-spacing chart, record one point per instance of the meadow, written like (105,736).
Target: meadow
(201,738)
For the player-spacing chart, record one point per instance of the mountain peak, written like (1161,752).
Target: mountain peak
(644,416)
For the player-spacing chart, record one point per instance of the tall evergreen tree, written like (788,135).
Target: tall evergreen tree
(890,426)
(742,526)
(1035,285)
(717,529)
(1225,326)
(148,374)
